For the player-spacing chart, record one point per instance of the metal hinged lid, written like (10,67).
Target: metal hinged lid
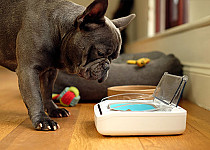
(170,88)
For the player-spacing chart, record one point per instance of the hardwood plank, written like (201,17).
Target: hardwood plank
(25,137)
(85,135)
(11,116)
(12,111)
(197,117)
(190,140)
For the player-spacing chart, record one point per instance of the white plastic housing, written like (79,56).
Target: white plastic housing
(121,123)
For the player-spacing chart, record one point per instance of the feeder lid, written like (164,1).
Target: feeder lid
(170,88)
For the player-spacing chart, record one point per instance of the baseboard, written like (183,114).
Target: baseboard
(197,88)
(197,68)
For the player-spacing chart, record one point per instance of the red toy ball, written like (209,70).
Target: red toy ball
(67,98)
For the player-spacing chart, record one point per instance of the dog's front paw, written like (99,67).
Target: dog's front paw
(44,123)
(59,112)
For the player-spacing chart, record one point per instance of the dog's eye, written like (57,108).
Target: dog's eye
(100,53)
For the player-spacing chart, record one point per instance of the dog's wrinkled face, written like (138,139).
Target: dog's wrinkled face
(95,41)
(90,52)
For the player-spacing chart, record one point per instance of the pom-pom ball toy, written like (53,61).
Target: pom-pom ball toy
(68,97)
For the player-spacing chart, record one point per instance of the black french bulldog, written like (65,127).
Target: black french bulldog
(37,37)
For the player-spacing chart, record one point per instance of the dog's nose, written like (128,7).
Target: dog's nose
(105,72)
(103,77)
(106,66)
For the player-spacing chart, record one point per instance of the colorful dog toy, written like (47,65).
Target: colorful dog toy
(68,97)
(140,62)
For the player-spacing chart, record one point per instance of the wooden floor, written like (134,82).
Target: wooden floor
(78,131)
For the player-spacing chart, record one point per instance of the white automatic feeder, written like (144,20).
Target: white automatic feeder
(133,114)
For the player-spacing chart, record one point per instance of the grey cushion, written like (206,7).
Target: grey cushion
(122,74)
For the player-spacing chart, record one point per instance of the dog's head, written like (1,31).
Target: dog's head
(95,41)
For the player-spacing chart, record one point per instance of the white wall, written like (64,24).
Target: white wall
(141,10)
(198,9)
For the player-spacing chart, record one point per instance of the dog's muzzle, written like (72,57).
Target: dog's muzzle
(96,70)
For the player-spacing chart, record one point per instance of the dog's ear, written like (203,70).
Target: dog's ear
(94,13)
(123,22)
